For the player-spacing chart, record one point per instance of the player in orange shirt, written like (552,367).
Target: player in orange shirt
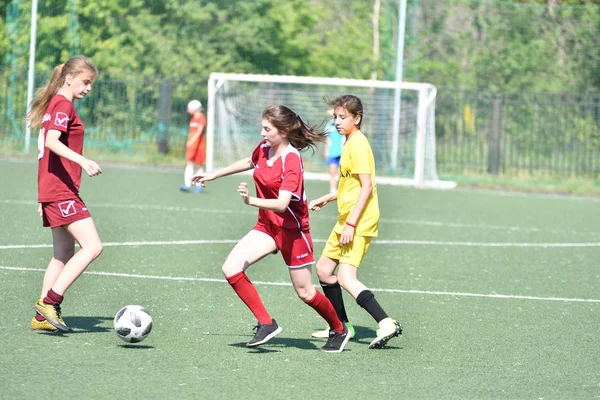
(195,147)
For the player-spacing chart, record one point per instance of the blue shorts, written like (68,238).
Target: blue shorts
(333,160)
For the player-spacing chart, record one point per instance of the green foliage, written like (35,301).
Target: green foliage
(506,47)
(493,45)
(143,47)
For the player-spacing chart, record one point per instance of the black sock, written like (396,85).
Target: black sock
(334,293)
(366,300)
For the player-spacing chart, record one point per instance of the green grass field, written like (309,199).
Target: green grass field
(499,294)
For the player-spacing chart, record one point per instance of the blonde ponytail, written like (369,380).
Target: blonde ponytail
(44,95)
(75,66)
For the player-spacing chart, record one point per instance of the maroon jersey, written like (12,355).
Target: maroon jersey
(285,173)
(59,178)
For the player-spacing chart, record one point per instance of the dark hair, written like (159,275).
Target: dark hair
(75,66)
(350,103)
(300,135)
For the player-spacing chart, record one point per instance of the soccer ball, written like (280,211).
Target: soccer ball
(133,324)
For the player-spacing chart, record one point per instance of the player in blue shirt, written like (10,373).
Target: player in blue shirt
(333,152)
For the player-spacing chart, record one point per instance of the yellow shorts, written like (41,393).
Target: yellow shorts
(351,253)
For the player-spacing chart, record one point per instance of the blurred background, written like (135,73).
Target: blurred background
(518,82)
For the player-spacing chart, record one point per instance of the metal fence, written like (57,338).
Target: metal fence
(515,134)
(555,135)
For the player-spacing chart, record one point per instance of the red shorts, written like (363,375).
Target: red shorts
(196,153)
(296,247)
(64,212)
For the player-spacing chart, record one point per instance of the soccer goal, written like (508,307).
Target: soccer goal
(398,121)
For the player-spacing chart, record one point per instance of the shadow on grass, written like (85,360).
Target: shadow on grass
(136,346)
(88,324)
(363,336)
(83,325)
(277,343)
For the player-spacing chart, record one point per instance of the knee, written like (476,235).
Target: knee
(323,272)
(64,255)
(344,281)
(305,293)
(230,269)
(96,250)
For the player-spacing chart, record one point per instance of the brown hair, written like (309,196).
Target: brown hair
(350,102)
(300,135)
(75,66)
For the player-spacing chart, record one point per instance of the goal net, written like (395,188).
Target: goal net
(398,120)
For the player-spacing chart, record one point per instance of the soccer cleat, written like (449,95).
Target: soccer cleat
(198,189)
(184,188)
(42,325)
(52,314)
(324,334)
(336,341)
(264,333)
(388,328)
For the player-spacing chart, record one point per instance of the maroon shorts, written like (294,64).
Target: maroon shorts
(64,212)
(296,247)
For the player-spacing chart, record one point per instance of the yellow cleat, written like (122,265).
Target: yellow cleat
(52,314)
(388,328)
(42,326)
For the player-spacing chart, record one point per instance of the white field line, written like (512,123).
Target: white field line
(425,292)
(507,228)
(381,242)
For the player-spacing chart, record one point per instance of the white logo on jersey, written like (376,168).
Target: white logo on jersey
(41,145)
(67,208)
(61,119)
(46,117)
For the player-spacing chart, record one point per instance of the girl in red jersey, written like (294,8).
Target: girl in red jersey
(60,146)
(282,222)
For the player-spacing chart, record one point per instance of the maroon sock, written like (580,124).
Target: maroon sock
(39,317)
(247,292)
(323,306)
(53,298)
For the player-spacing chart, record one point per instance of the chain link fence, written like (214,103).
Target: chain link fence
(517,83)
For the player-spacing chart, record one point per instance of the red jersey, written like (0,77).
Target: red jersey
(59,178)
(286,173)
(195,122)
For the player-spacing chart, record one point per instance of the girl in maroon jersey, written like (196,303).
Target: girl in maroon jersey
(60,146)
(282,222)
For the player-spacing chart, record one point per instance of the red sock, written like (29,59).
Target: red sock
(247,292)
(39,317)
(53,298)
(323,306)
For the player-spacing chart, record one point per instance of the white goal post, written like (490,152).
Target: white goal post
(402,135)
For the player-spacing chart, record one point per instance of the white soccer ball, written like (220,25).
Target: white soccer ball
(133,323)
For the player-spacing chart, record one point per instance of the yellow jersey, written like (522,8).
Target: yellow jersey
(357,158)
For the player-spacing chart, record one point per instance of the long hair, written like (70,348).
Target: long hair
(350,102)
(75,66)
(300,135)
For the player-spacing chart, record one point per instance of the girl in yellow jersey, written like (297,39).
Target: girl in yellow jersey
(357,224)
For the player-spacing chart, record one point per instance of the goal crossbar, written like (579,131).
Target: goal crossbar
(424,119)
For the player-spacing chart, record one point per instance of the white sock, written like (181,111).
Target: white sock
(200,170)
(187,175)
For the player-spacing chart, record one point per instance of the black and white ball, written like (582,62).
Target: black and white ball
(133,323)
